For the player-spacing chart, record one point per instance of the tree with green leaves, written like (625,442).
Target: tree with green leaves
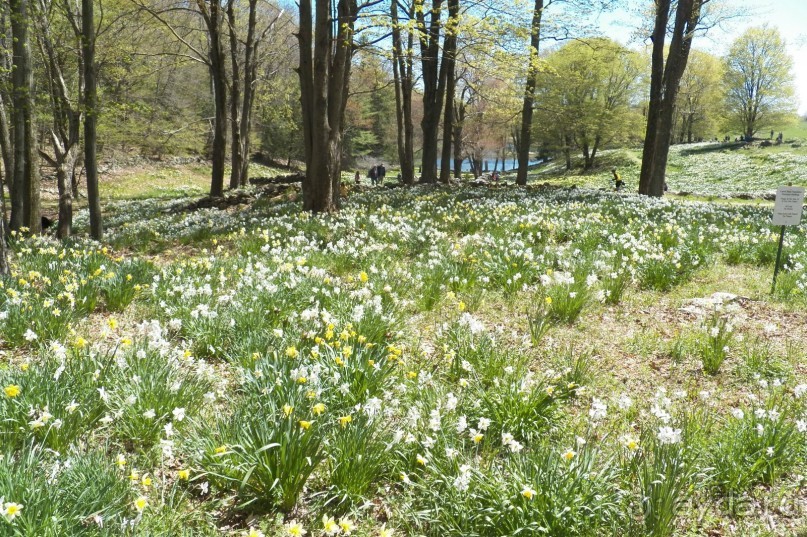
(588,95)
(758,81)
(700,98)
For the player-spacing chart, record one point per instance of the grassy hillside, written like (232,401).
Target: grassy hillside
(429,361)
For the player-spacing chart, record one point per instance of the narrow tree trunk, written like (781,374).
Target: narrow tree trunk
(586,157)
(402,75)
(664,81)
(250,80)
(594,149)
(4,265)
(236,157)
(66,123)
(91,116)
(434,80)
(449,61)
(6,149)
(5,179)
(533,71)
(213,17)
(306,74)
(690,121)
(65,226)
(459,117)
(25,210)
(567,150)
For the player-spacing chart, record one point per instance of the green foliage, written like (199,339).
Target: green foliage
(266,451)
(664,470)
(358,459)
(713,343)
(757,444)
(79,495)
(759,81)
(589,98)
(152,393)
(699,102)
(58,402)
(564,494)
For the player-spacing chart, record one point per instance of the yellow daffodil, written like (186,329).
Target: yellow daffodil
(344,420)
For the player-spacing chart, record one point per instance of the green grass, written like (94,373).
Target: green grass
(280,367)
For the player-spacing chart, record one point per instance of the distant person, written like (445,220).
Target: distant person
(382,173)
(373,175)
(771,134)
(358,177)
(618,182)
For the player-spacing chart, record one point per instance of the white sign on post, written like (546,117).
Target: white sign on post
(789,202)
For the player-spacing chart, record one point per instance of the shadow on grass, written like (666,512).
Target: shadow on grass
(713,148)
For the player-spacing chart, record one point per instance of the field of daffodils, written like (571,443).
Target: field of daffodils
(428,362)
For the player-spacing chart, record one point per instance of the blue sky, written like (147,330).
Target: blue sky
(789,16)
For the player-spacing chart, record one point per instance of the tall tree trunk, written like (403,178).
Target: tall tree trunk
(594,150)
(213,20)
(567,150)
(250,80)
(402,75)
(533,70)
(236,156)
(324,86)
(586,157)
(664,82)
(690,121)
(25,210)
(90,118)
(434,81)
(306,74)
(65,225)
(449,61)
(66,123)
(6,149)
(459,118)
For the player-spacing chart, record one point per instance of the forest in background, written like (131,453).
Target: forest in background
(419,83)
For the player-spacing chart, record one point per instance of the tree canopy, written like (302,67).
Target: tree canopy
(758,81)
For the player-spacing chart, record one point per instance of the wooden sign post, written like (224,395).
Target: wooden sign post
(786,212)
